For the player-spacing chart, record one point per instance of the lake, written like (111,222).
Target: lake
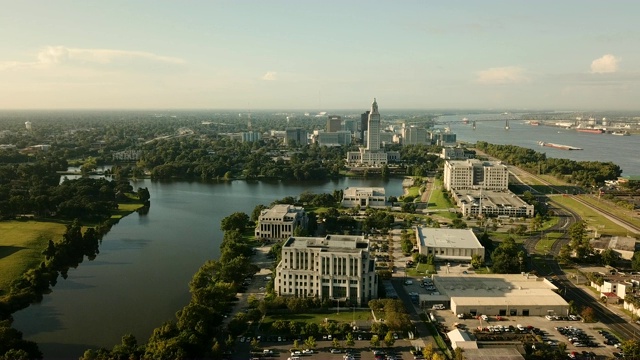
(140,278)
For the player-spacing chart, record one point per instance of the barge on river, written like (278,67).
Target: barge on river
(558,146)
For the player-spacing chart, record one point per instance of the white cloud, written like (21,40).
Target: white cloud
(606,64)
(53,55)
(270,76)
(502,75)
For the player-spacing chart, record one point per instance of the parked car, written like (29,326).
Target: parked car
(335,351)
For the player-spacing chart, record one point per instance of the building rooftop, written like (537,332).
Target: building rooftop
(447,238)
(279,211)
(491,198)
(497,289)
(502,353)
(367,191)
(624,243)
(342,243)
(475,162)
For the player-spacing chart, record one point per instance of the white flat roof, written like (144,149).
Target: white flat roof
(498,289)
(448,238)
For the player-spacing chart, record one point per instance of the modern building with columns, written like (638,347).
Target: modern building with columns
(279,222)
(335,267)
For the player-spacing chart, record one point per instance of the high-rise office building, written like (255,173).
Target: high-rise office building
(334,123)
(364,125)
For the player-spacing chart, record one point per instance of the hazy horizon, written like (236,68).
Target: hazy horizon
(304,56)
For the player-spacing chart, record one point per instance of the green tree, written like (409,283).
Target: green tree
(350,340)
(235,221)
(635,261)
(608,257)
(476,261)
(388,339)
(296,344)
(375,341)
(335,342)
(310,342)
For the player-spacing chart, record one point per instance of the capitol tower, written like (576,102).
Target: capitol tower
(373,133)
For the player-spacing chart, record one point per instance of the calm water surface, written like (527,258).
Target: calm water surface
(621,150)
(140,278)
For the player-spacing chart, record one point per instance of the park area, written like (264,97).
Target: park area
(21,246)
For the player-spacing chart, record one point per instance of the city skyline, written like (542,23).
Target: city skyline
(572,55)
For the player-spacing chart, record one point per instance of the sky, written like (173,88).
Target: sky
(272,54)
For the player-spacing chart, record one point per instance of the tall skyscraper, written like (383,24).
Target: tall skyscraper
(364,126)
(373,134)
(334,123)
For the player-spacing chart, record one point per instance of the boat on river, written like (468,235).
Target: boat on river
(558,146)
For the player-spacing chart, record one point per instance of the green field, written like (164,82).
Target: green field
(625,214)
(21,246)
(346,315)
(436,198)
(593,219)
(421,270)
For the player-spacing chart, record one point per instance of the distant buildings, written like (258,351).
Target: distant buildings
(295,135)
(335,267)
(412,135)
(448,244)
(373,154)
(338,138)
(456,153)
(334,123)
(251,136)
(280,222)
(364,197)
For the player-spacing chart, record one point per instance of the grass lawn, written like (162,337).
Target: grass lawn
(544,245)
(594,220)
(345,315)
(618,211)
(413,191)
(437,199)
(421,269)
(125,209)
(21,246)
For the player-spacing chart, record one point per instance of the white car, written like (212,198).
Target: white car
(408,282)
(484,317)
(307,351)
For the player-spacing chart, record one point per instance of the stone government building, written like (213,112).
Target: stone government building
(335,267)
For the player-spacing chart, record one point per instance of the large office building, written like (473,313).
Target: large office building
(295,135)
(364,125)
(448,244)
(334,123)
(280,221)
(475,174)
(413,135)
(335,267)
(338,138)
(364,197)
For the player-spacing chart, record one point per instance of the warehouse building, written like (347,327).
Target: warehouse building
(498,295)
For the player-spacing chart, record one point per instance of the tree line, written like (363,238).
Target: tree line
(582,173)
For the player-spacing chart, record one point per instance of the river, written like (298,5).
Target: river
(140,278)
(597,147)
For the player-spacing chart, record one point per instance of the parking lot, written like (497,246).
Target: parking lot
(576,334)
(360,351)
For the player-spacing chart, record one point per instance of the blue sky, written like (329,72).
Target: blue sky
(565,55)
